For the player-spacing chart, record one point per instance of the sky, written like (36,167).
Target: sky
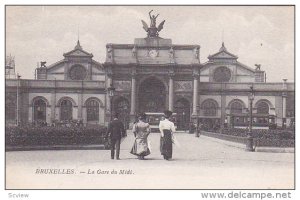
(256,34)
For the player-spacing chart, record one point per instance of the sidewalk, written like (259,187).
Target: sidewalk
(199,163)
(257,149)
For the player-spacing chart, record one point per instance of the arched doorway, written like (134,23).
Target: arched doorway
(263,108)
(152,96)
(236,110)
(209,109)
(121,106)
(39,110)
(66,110)
(182,109)
(263,111)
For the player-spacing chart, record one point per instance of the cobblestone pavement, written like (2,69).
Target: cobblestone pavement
(199,163)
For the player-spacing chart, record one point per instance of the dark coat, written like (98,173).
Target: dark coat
(116,129)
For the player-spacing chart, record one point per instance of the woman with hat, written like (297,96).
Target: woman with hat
(166,129)
(141,130)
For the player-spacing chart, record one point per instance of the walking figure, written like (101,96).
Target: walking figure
(166,129)
(116,132)
(141,131)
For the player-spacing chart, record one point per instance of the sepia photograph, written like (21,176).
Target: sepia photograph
(149,97)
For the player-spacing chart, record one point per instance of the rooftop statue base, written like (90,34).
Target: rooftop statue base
(152,32)
(152,42)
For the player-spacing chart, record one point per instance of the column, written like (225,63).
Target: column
(223,109)
(195,95)
(108,83)
(284,105)
(53,104)
(171,92)
(79,115)
(284,95)
(133,95)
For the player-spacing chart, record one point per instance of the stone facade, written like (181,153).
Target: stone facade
(150,75)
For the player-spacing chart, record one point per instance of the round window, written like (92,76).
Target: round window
(77,72)
(222,74)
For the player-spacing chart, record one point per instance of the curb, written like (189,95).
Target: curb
(257,149)
(275,150)
(56,147)
(228,143)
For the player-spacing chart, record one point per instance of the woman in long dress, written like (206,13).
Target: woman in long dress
(141,131)
(166,129)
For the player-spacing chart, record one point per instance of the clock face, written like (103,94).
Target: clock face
(153,53)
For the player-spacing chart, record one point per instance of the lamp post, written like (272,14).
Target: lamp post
(197,134)
(18,106)
(183,121)
(249,144)
(111,92)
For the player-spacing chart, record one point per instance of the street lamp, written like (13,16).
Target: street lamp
(249,144)
(111,92)
(183,121)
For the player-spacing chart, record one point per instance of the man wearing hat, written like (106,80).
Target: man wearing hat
(115,132)
(166,128)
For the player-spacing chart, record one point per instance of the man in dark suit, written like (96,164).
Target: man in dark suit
(115,132)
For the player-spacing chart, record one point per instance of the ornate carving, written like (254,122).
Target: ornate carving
(196,52)
(183,86)
(109,71)
(171,55)
(196,73)
(122,85)
(109,53)
(134,52)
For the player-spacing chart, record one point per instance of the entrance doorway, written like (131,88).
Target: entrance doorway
(152,96)
(182,109)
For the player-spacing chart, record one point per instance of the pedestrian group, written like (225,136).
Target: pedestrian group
(141,130)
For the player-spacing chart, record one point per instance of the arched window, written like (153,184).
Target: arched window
(66,110)
(236,107)
(222,74)
(10,106)
(209,108)
(92,110)
(39,109)
(77,72)
(262,108)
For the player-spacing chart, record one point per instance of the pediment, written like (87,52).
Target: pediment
(78,52)
(223,55)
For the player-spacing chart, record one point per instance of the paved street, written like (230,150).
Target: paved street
(199,163)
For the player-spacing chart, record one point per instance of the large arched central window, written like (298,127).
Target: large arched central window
(262,108)
(222,74)
(236,107)
(209,107)
(92,110)
(39,108)
(66,110)
(77,72)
